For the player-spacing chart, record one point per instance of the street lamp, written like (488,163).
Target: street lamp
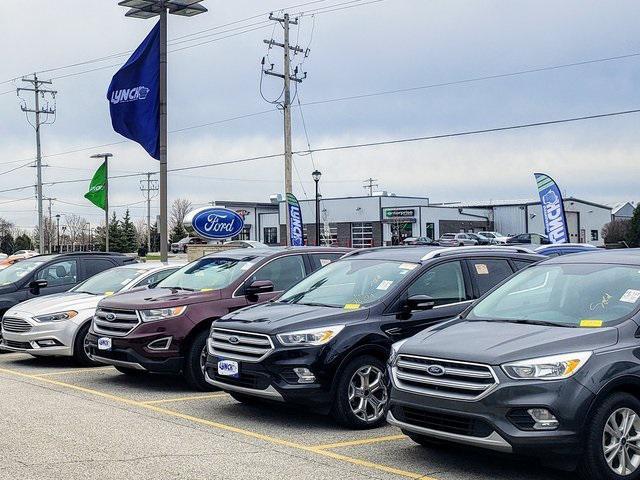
(148,9)
(106,157)
(64,229)
(316,178)
(58,228)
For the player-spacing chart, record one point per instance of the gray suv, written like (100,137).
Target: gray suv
(546,364)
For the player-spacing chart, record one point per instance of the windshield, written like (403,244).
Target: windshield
(587,295)
(109,281)
(348,283)
(212,273)
(18,270)
(448,235)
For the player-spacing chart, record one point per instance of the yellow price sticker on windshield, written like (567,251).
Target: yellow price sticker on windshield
(352,306)
(108,294)
(206,289)
(591,323)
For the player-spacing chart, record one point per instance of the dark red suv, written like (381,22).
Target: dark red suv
(164,329)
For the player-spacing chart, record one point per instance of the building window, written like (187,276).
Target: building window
(361,235)
(594,235)
(245,234)
(328,234)
(430,231)
(270,235)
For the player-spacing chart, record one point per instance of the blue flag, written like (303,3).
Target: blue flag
(295,219)
(134,95)
(555,220)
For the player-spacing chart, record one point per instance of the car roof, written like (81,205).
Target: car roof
(151,266)
(567,246)
(417,254)
(274,251)
(622,256)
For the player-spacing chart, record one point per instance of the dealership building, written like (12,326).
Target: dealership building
(382,219)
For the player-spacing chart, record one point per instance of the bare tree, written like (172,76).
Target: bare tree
(141,231)
(75,227)
(179,209)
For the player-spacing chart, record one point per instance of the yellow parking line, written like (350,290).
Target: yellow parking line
(185,399)
(77,370)
(364,441)
(224,427)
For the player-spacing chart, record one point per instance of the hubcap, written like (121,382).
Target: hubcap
(621,441)
(367,393)
(85,345)
(203,359)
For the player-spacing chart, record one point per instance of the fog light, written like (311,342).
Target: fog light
(160,344)
(47,343)
(545,420)
(304,375)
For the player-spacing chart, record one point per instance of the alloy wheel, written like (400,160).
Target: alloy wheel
(86,346)
(203,360)
(368,393)
(621,441)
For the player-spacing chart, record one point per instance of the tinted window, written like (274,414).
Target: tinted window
(59,273)
(156,277)
(319,260)
(444,283)
(96,265)
(489,272)
(520,264)
(284,272)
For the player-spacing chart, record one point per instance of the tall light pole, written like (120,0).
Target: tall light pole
(106,157)
(149,9)
(58,228)
(316,178)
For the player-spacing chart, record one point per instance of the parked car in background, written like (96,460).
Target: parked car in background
(529,238)
(456,240)
(545,365)
(57,325)
(22,254)
(181,245)
(495,237)
(324,343)
(165,329)
(47,274)
(418,241)
(481,239)
(245,244)
(557,249)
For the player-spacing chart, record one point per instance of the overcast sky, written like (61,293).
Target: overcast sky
(369,48)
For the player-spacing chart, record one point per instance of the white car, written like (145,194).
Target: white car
(495,237)
(56,325)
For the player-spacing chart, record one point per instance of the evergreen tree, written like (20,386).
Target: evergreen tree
(115,235)
(178,233)
(155,238)
(128,233)
(633,236)
(7,244)
(23,242)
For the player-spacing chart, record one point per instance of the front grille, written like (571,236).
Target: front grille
(254,381)
(457,380)
(12,344)
(109,321)
(443,422)
(244,346)
(15,325)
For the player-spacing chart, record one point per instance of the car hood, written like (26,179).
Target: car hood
(495,343)
(274,317)
(59,302)
(8,288)
(158,298)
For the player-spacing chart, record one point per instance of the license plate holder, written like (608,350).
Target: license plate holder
(104,343)
(228,368)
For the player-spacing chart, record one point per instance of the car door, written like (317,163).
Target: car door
(447,283)
(60,276)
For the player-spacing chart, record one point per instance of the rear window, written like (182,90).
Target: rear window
(319,260)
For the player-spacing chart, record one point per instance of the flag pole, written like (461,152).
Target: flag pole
(106,157)
(164,244)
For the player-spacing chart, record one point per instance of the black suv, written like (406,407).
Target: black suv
(47,274)
(324,342)
(546,364)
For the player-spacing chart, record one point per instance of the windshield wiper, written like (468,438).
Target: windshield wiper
(315,304)
(181,288)
(525,322)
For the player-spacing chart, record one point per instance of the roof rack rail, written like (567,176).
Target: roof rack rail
(477,248)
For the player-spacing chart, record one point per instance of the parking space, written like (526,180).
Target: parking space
(59,421)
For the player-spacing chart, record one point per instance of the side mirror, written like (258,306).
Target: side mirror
(259,286)
(36,285)
(420,302)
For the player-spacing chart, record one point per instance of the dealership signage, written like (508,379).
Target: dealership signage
(214,223)
(555,220)
(399,215)
(295,218)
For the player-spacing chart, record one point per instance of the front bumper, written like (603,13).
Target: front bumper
(62,333)
(488,422)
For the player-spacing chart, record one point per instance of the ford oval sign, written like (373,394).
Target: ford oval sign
(215,223)
(436,370)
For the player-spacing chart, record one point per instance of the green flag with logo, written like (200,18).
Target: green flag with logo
(97,193)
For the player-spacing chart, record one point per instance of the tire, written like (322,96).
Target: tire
(357,405)
(80,353)
(193,367)
(424,441)
(132,372)
(598,437)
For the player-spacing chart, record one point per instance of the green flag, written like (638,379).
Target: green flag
(97,193)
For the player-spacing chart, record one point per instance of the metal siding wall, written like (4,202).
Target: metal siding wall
(509,220)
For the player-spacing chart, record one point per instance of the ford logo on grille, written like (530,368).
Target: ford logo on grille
(234,340)
(110,316)
(435,370)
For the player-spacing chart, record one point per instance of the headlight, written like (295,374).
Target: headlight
(56,317)
(161,313)
(395,348)
(315,336)
(555,367)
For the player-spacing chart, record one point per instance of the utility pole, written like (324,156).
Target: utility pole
(370,184)
(37,93)
(50,227)
(286,22)
(149,186)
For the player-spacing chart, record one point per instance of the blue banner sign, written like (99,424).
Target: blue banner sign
(214,223)
(134,95)
(295,219)
(555,220)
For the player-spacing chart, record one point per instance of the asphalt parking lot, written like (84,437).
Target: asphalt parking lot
(59,421)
